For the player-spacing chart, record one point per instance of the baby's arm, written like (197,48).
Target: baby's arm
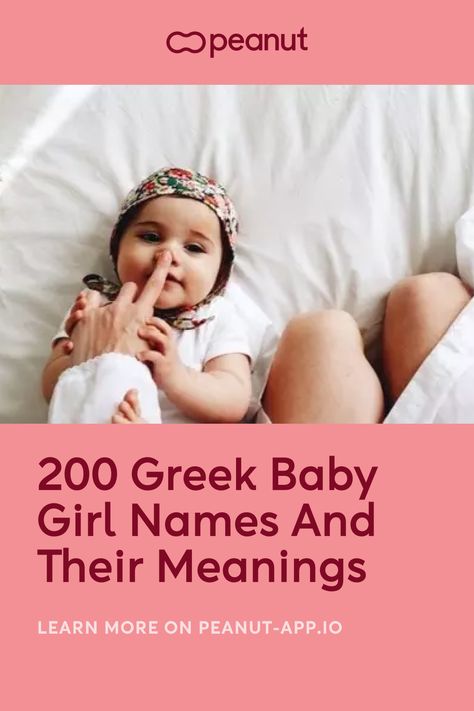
(57,362)
(221,393)
(60,358)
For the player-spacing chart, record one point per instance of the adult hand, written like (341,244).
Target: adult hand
(114,328)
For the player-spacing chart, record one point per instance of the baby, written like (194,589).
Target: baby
(197,347)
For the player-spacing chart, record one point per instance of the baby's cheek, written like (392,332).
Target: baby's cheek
(135,272)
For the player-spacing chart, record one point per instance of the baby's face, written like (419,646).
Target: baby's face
(190,231)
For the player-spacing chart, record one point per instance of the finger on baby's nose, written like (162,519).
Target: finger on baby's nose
(164,257)
(156,280)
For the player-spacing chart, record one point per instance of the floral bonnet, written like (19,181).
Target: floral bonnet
(187,184)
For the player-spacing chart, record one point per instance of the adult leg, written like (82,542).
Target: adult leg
(320,373)
(419,311)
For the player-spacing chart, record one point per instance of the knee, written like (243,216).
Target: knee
(328,325)
(417,292)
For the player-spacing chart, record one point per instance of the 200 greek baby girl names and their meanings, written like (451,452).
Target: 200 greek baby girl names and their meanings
(72,520)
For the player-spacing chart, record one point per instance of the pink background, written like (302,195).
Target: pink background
(406,640)
(350,42)
(408,628)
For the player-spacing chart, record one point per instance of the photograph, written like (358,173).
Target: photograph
(236,253)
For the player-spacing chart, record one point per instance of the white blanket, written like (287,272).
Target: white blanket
(342,191)
(442,390)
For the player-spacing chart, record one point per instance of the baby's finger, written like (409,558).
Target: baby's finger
(81,295)
(154,338)
(79,304)
(79,307)
(127,410)
(160,324)
(131,397)
(68,347)
(118,419)
(153,357)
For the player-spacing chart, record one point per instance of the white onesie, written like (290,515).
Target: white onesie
(91,391)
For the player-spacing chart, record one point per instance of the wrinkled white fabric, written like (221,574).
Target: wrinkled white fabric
(90,392)
(442,390)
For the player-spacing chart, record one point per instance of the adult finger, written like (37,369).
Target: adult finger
(126,294)
(156,280)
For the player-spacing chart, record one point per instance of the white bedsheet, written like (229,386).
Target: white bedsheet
(342,191)
(442,390)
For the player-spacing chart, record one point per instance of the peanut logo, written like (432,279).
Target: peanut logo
(178,42)
(196,42)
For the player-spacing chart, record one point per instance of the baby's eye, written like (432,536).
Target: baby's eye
(150,237)
(195,247)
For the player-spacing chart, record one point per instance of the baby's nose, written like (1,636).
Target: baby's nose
(172,250)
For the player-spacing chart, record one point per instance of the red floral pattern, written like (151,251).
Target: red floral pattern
(186,183)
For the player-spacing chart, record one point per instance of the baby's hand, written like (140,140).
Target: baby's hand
(83,300)
(128,411)
(163,356)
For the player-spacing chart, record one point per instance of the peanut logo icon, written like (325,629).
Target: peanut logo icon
(178,42)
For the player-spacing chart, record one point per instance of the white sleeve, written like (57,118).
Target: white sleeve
(228,334)
(465,246)
(90,392)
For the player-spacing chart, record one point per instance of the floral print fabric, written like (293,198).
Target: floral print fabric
(187,184)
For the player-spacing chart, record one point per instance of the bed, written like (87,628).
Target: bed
(341,191)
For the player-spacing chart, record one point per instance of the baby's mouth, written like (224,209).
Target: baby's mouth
(169,278)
